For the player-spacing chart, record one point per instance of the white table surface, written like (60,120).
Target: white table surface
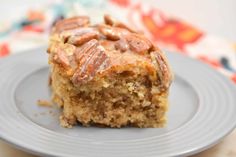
(217,17)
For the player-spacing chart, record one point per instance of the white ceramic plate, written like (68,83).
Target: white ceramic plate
(202,111)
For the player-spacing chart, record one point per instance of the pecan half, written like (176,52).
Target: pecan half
(163,69)
(113,22)
(83,38)
(109,20)
(65,35)
(138,44)
(112,33)
(92,60)
(122,25)
(71,23)
(82,51)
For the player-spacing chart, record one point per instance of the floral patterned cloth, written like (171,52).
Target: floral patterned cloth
(31,28)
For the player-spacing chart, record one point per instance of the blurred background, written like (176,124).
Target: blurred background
(203,29)
(213,16)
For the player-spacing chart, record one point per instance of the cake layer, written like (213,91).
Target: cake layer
(107,74)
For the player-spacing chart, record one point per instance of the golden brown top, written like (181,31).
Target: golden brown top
(84,50)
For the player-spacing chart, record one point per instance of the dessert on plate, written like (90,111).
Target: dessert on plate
(107,74)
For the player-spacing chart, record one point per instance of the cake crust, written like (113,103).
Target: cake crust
(107,74)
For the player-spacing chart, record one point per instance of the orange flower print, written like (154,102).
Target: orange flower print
(167,30)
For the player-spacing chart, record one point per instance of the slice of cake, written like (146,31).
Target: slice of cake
(107,74)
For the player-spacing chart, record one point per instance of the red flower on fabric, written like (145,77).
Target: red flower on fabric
(122,3)
(4,50)
(32,28)
(212,62)
(234,78)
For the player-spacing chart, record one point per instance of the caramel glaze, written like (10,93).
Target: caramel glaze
(85,50)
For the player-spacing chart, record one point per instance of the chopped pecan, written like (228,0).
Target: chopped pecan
(122,45)
(138,44)
(83,37)
(71,23)
(91,62)
(112,33)
(61,58)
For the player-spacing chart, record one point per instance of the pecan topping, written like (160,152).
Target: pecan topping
(92,59)
(113,22)
(138,44)
(112,33)
(71,23)
(122,25)
(163,69)
(80,39)
(109,20)
(61,58)
(76,32)
(85,51)
(81,52)
(122,45)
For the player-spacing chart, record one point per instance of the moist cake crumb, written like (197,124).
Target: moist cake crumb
(45,103)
